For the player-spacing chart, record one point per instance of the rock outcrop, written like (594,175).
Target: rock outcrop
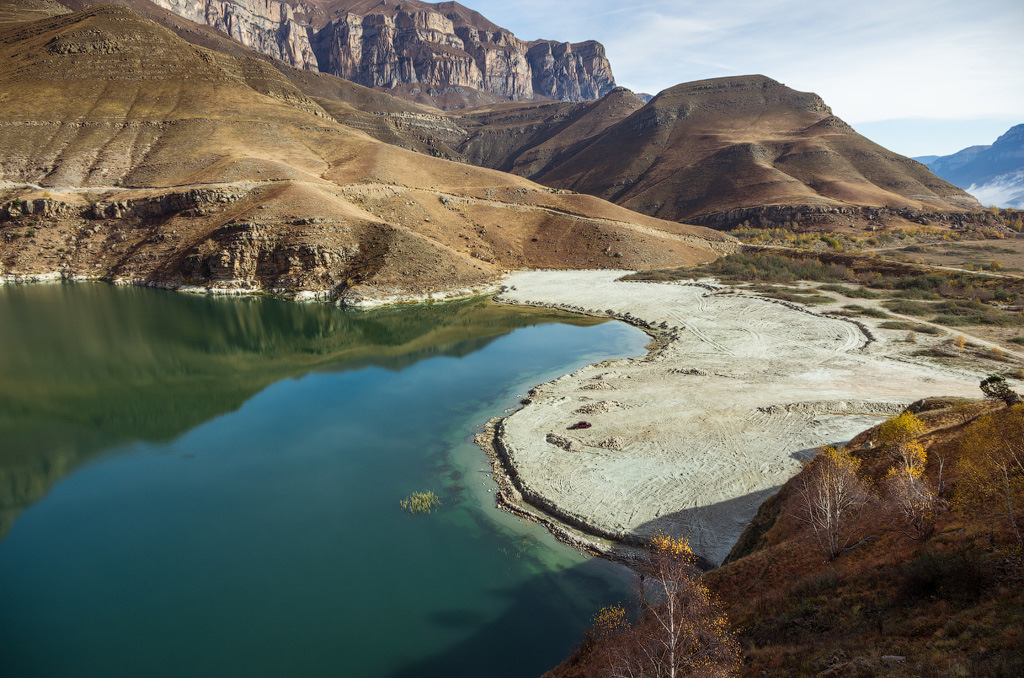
(387,45)
(134,156)
(277,29)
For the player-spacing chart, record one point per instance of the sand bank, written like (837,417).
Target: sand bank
(691,438)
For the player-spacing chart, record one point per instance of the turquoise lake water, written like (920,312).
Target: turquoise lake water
(194,486)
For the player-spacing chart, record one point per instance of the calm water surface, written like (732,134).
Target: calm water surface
(209,487)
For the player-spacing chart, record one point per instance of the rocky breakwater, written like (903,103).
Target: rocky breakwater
(389,45)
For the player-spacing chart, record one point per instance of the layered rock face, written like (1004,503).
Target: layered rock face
(570,72)
(389,45)
(274,28)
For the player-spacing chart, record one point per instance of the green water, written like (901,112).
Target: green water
(210,487)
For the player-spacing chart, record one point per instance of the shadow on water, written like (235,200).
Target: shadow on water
(87,367)
(521,638)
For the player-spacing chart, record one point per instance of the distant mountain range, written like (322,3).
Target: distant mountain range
(993,174)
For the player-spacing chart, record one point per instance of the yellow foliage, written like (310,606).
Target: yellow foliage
(991,467)
(839,458)
(664,545)
(914,458)
(610,620)
(900,430)
(898,436)
(420,502)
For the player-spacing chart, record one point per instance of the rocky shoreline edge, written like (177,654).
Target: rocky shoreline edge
(515,497)
(734,391)
(345,299)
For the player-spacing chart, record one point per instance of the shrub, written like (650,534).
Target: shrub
(906,307)
(961,575)
(914,327)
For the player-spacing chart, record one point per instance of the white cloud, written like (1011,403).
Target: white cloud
(869,59)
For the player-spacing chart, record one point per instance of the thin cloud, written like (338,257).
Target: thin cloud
(870,59)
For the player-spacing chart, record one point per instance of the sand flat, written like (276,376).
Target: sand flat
(691,438)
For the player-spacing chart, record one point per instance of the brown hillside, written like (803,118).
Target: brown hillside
(948,604)
(154,160)
(704,151)
(529,138)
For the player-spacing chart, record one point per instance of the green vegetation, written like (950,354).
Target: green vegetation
(855,309)
(852,292)
(798,295)
(951,298)
(420,502)
(913,327)
(905,307)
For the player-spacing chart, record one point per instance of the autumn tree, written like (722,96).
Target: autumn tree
(681,632)
(832,498)
(991,467)
(898,437)
(911,501)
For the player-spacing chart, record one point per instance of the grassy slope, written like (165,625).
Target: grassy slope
(949,605)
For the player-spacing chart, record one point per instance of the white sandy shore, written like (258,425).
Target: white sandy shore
(691,439)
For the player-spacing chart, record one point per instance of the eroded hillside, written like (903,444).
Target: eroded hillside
(135,156)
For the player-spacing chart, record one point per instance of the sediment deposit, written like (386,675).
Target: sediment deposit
(693,437)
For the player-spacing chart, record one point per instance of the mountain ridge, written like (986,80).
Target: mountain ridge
(134,156)
(416,49)
(993,173)
(713,150)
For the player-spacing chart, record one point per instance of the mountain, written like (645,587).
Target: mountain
(719,152)
(443,54)
(135,156)
(993,174)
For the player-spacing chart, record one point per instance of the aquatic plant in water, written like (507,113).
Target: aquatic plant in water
(420,502)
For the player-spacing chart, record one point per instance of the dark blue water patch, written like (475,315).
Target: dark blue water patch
(255,529)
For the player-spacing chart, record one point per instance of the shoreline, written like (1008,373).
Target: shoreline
(734,392)
(347,299)
(551,476)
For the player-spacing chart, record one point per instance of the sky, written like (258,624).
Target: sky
(921,77)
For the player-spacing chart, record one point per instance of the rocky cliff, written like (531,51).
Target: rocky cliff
(277,29)
(134,156)
(388,45)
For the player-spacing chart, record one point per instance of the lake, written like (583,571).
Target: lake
(195,486)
